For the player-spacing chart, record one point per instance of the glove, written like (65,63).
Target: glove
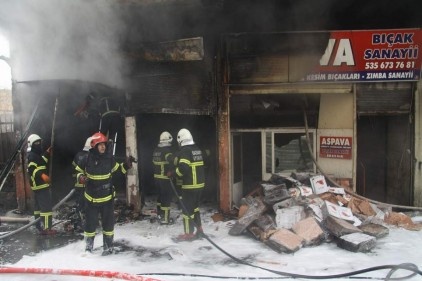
(170,174)
(128,163)
(132,159)
(45,178)
(82,179)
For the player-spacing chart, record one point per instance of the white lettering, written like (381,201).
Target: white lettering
(344,53)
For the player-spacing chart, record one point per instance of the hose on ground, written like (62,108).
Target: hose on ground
(410,267)
(36,220)
(392,269)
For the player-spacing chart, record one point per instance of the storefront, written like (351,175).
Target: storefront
(348,99)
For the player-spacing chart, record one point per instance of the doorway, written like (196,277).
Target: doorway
(257,154)
(384,158)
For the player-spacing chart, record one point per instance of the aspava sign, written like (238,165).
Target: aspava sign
(335,147)
(370,55)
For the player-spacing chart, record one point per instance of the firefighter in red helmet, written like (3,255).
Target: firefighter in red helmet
(96,172)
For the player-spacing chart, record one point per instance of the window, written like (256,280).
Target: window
(287,151)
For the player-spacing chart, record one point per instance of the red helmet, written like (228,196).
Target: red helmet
(97,138)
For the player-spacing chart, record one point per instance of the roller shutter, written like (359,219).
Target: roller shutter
(384,98)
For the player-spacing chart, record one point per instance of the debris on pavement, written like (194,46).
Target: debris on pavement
(289,212)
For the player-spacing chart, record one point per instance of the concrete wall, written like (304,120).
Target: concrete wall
(336,118)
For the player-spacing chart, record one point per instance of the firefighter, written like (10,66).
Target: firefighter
(162,159)
(79,187)
(40,184)
(95,172)
(190,168)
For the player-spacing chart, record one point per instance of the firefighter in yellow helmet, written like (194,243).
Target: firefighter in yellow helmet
(95,172)
(40,184)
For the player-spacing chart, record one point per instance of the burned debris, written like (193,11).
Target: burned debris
(289,212)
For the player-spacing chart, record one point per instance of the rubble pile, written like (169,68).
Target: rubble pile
(289,212)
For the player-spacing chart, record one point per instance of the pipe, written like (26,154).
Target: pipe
(53,126)
(76,272)
(13,219)
(35,221)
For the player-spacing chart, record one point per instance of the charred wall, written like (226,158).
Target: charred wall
(69,133)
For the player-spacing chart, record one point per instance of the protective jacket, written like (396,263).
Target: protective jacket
(37,165)
(99,169)
(190,167)
(162,158)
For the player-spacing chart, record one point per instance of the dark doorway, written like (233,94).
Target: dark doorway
(202,128)
(252,161)
(384,158)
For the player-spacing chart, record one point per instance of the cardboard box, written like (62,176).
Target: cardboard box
(319,185)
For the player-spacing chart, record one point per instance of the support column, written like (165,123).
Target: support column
(223,132)
(133,197)
(417,194)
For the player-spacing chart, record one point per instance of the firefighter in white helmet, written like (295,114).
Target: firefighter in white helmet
(190,168)
(79,187)
(39,181)
(162,160)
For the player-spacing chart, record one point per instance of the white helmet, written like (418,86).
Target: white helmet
(166,137)
(87,145)
(33,138)
(184,137)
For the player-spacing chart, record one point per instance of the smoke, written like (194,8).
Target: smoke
(62,39)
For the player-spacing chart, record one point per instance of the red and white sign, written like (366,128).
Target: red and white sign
(335,147)
(370,55)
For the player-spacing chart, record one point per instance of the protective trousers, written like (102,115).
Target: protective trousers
(191,215)
(165,194)
(43,208)
(106,211)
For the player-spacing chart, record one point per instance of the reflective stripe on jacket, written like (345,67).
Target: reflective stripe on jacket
(190,167)
(37,165)
(162,158)
(99,170)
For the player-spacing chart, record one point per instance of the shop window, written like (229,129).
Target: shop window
(287,152)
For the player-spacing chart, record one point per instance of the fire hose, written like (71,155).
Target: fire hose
(393,268)
(36,220)
(76,272)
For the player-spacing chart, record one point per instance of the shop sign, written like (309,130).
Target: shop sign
(335,147)
(370,55)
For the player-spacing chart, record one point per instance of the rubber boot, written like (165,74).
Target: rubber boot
(38,225)
(89,244)
(197,219)
(165,219)
(108,248)
(159,212)
(199,232)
